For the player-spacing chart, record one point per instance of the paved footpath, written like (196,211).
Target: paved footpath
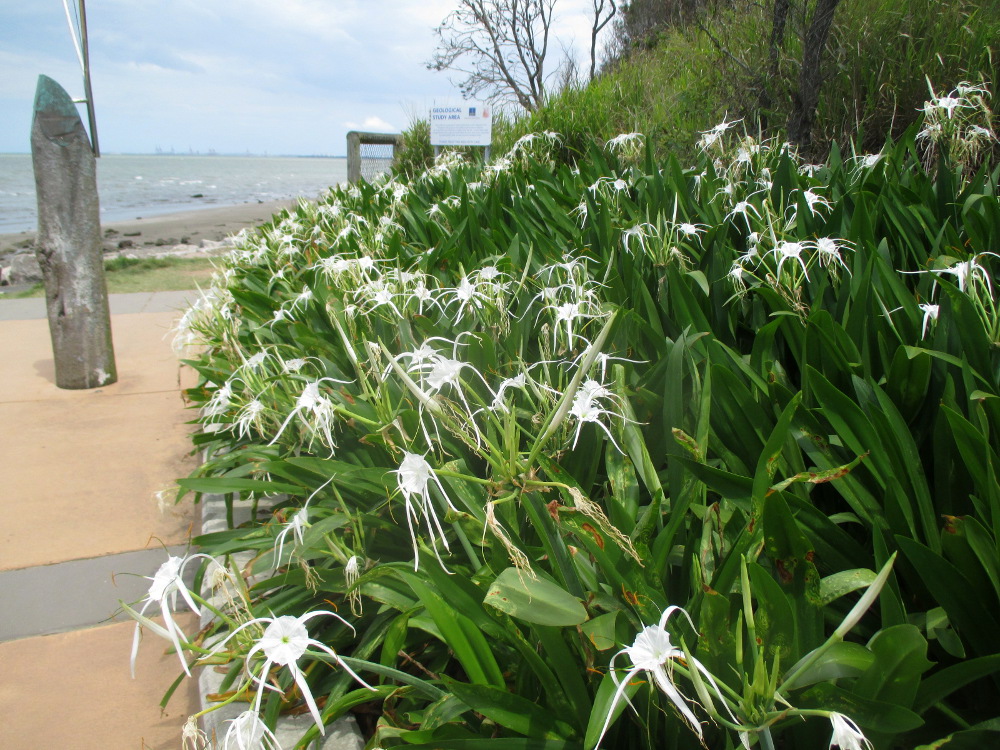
(80,470)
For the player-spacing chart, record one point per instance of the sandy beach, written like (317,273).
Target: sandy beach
(186,227)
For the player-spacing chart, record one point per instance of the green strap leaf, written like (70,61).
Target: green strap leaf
(511,711)
(534,600)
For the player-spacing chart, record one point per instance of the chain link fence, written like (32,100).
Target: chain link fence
(370,154)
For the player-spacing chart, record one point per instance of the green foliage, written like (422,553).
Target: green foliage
(415,154)
(879,58)
(546,406)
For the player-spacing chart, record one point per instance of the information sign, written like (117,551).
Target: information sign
(462,124)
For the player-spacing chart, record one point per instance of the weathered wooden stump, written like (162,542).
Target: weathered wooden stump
(68,246)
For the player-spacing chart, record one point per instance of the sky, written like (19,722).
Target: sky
(287,77)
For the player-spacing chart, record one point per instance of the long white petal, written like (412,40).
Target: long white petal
(617,697)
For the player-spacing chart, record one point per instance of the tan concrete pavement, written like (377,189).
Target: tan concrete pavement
(80,471)
(84,465)
(74,691)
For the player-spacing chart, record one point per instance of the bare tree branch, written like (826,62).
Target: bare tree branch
(600,21)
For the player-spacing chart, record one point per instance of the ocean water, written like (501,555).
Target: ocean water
(134,186)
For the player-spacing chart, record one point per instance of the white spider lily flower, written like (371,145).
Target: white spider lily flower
(968,271)
(744,209)
(828,253)
(518,381)
(592,389)
(441,372)
(652,652)
(550,294)
(376,294)
(421,295)
(743,157)
(868,161)
(639,232)
(501,165)
(566,314)
(249,416)
(254,362)
(586,408)
(949,104)
(631,142)
(417,357)
(414,477)
(710,138)
(352,572)
(489,274)
(847,735)
(331,210)
(444,371)
(616,185)
(813,200)
(691,230)
(366,265)
(280,315)
(167,582)
(737,276)
(302,298)
(284,642)
(317,407)
(348,230)
(293,365)
(725,125)
(333,266)
(221,400)
(930,315)
(248,732)
(467,295)
(435,372)
(289,247)
(297,524)
(604,359)
(790,251)
(192,737)
(571,266)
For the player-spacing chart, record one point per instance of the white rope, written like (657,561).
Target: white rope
(74,35)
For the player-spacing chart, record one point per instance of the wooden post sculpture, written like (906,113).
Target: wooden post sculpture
(68,246)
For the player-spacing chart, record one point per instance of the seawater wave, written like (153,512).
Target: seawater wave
(140,186)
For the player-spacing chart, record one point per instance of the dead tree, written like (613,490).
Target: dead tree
(500,46)
(804,101)
(604,12)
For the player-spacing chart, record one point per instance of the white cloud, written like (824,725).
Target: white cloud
(373,124)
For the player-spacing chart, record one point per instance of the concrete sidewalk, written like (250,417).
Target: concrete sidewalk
(81,470)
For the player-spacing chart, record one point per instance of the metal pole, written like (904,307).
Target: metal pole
(87,90)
